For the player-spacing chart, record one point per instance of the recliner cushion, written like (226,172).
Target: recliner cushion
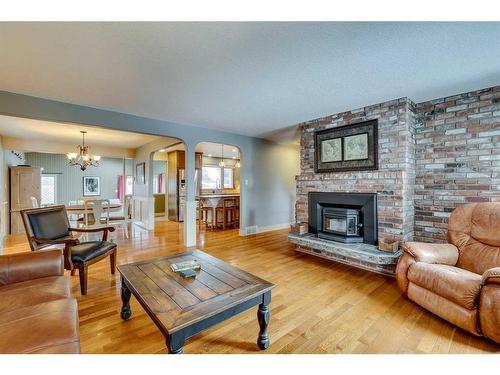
(478,257)
(33,292)
(473,228)
(455,284)
(87,251)
(50,327)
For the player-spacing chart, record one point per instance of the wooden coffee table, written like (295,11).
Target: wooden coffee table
(181,308)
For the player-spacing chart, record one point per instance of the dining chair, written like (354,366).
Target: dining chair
(49,226)
(124,216)
(96,212)
(34,202)
(75,216)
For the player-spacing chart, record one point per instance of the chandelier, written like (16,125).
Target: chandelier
(83,158)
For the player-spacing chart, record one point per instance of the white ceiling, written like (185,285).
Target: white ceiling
(246,78)
(70,133)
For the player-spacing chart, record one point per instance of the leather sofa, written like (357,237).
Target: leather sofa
(460,280)
(37,311)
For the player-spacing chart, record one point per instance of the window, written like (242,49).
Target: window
(129,186)
(49,189)
(213,177)
(210,177)
(228,178)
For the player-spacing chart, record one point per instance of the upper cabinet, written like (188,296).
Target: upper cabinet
(178,159)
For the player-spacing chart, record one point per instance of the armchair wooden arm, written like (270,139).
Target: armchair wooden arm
(105,231)
(66,241)
(59,241)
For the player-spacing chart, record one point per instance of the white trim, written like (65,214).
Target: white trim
(267,228)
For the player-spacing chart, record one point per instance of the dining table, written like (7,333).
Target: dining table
(79,209)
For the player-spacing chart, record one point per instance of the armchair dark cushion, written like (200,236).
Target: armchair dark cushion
(86,251)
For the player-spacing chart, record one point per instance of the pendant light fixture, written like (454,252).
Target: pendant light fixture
(221,163)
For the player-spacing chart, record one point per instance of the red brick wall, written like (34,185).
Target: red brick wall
(457,157)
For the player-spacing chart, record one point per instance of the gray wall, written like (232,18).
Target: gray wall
(159,166)
(272,187)
(268,189)
(69,179)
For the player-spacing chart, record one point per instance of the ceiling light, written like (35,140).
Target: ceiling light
(83,158)
(221,163)
(162,150)
(234,157)
(234,150)
(209,155)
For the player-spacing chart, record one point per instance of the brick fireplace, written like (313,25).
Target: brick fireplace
(393,182)
(432,156)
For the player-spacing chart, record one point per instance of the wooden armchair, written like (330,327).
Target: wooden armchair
(50,226)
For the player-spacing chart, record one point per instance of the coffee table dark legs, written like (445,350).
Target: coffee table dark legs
(126,311)
(175,343)
(263,316)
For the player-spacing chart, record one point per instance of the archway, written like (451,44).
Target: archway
(218,186)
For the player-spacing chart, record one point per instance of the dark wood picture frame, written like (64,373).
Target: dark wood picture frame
(140,173)
(369,127)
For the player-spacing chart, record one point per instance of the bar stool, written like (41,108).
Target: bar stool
(229,211)
(204,210)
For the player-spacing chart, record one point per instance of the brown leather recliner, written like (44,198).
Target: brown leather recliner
(37,311)
(459,281)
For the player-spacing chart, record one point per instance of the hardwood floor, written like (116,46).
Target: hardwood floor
(318,306)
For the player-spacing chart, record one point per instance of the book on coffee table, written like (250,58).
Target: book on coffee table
(186,265)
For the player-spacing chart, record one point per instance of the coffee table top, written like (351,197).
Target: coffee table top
(174,302)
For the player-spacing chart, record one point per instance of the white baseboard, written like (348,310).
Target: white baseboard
(248,231)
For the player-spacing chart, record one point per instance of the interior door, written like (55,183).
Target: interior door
(24,183)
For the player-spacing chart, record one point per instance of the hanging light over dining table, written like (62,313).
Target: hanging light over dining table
(83,158)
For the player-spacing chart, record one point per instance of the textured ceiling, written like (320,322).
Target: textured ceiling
(70,133)
(245,78)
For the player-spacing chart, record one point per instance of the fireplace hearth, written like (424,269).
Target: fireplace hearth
(343,228)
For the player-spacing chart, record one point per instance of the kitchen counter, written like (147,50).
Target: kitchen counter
(218,196)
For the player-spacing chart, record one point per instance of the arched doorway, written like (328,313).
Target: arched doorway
(218,186)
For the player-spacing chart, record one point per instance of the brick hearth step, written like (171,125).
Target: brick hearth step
(360,255)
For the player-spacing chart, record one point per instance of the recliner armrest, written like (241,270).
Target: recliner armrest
(491,276)
(432,253)
(25,266)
